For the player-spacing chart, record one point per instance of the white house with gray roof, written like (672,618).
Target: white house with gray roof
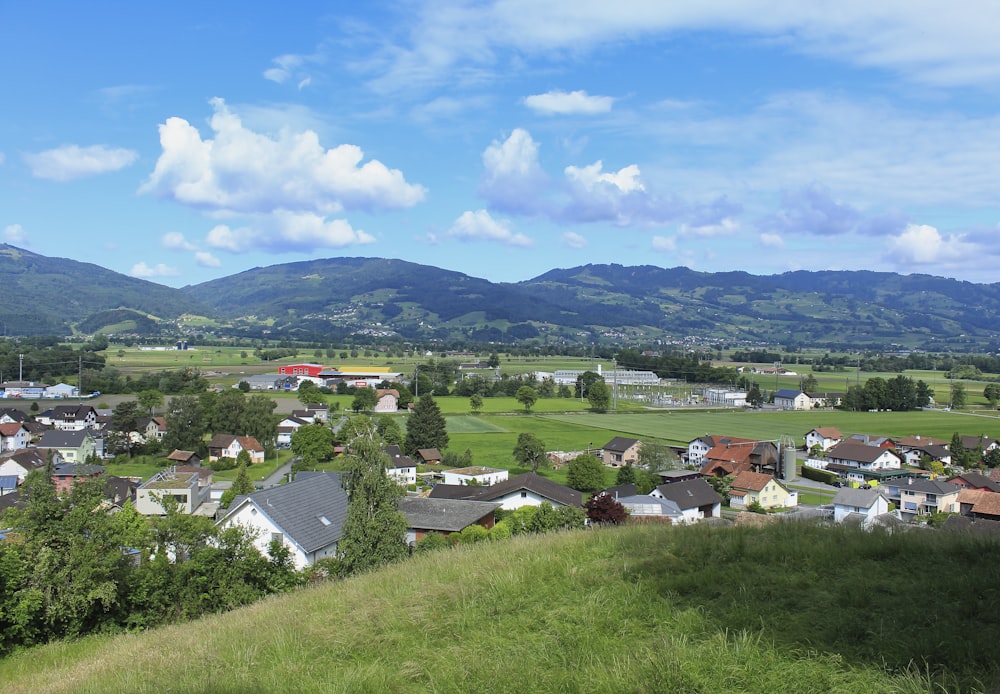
(306,516)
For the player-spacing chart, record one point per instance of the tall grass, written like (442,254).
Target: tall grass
(638,609)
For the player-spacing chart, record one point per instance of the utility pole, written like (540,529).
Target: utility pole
(20,367)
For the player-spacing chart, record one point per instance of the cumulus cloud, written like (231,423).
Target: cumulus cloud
(143,270)
(285,232)
(70,162)
(206,259)
(15,233)
(813,210)
(244,172)
(922,244)
(512,178)
(573,240)
(175,241)
(664,244)
(563,103)
(480,226)
(772,241)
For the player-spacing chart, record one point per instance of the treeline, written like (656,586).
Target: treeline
(678,366)
(898,394)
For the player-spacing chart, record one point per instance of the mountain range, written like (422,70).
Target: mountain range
(383,299)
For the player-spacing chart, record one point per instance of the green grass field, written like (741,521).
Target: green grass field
(784,608)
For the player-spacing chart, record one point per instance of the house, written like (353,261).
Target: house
(10,415)
(749,488)
(118,491)
(481,476)
(287,428)
(916,455)
(862,505)
(983,443)
(70,417)
(786,399)
(695,498)
(429,456)
(306,516)
(645,508)
(621,451)
(872,440)
(179,457)
(979,503)
(730,456)
(184,488)
(920,497)
(849,458)
(817,400)
(975,480)
(529,489)
(152,428)
(668,476)
(425,516)
(387,400)
(230,446)
(320,412)
(73,446)
(20,463)
(65,475)
(401,467)
(13,436)
(824,437)
(618,491)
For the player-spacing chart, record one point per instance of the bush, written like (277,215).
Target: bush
(222,464)
(431,542)
(501,531)
(811,473)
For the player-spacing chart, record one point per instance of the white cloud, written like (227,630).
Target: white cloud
(72,161)
(285,232)
(577,102)
(727,226)
(591,177)
(284,67)
(453,44)
(15,233)
(921,244)
(206,259)
(159,270)
(175,241)
(513,180)
(772,241)
(244,172)
(480,226)
(573,240)
(664,243)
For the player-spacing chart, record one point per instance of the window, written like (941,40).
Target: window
(277,537)
(524,495)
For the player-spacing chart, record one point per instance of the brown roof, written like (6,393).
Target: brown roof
(750,481)
(182,456)
(829,432)
(11,429)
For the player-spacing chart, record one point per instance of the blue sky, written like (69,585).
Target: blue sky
(503,139)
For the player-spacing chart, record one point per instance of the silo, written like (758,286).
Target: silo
(787,463)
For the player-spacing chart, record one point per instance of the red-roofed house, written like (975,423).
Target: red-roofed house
(229,446)
(754,487)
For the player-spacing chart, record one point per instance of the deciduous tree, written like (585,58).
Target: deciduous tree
(604,508)
(599,396)
(312,444)
(586,473)
(527,396)
(530,451)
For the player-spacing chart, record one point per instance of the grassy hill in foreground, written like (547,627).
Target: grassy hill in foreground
(792,607)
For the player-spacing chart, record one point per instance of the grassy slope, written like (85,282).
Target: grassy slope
(636,609)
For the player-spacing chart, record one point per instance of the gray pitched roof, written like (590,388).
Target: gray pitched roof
(533,482)
(690,493)
(855,498)
(57,438)
(448,515)
(927,486)
(299,509)
(858,452)
(619,444)
(454,491)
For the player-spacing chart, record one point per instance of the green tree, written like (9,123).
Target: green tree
(494,361)
(809,384)
(388,428)
(242,484)
(185,424)
(626,474)
(586,473)
(425,427)
(530,451)
(374,530)
(754,397)
(992,393)
(364,399)
(312,444)
(584,381)
(150,400)
(124,422)
(657,456)
(476,403)
(599,396)
(308,392)
(721,486)
(527,396)
(957,395)
(258,419)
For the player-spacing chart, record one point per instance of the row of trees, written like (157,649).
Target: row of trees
(901,393)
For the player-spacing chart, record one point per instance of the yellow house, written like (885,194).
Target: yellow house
(749,487)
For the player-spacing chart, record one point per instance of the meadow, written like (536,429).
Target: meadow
(787,607)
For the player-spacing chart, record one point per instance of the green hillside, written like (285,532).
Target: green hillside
(785,608)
